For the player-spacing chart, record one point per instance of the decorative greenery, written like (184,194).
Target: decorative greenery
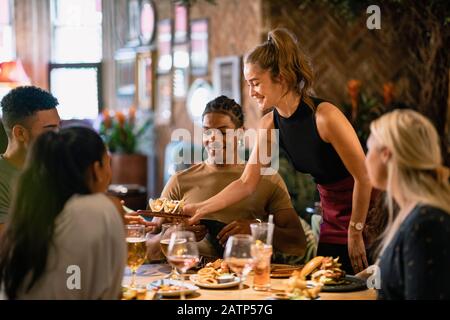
(122,131)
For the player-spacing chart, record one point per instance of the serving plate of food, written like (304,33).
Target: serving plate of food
(171,288)
(327,271)
(215,275)
(215,283)
(165,208)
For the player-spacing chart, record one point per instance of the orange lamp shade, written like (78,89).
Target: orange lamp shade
(13,74)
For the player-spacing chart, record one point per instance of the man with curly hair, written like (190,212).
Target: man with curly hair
(27,112)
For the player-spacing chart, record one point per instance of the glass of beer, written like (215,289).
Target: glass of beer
(238,257)
(137,250)
(166,230)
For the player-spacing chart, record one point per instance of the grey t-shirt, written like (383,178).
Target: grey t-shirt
(8,173)
(88,243)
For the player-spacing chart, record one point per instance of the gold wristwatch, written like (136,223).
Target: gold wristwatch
(358,226)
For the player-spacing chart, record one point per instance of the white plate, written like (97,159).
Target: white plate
(190,288)
(194,279)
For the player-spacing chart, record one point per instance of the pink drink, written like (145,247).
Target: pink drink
(241,266)
(183,262)
(261,258)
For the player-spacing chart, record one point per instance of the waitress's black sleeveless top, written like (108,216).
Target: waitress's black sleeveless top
(306,150)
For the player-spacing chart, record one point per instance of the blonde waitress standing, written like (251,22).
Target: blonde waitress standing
(318,140)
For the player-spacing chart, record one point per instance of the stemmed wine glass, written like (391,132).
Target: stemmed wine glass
(137,250)
(238,257)
(183,253)
(166,231)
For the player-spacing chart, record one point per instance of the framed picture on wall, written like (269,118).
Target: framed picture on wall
(164,45)
(163,110)
(227,77)
(199,47)
(133,23)
(180,70)
(145,80)
(147,22)
(181,23)
(125,60)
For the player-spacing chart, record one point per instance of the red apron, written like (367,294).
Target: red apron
(336,203)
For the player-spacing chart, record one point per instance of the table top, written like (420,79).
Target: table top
(151,272)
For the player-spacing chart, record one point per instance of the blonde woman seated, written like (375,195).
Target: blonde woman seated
(404,158)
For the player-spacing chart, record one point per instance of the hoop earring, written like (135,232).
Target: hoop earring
(302,84)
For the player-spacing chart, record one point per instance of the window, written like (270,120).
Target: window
(76,87)
(77,31)
(7,44)
(75,71)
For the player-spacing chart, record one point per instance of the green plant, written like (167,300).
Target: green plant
(121,130)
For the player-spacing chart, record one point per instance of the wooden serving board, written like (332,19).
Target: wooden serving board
(283,270)
(150,213)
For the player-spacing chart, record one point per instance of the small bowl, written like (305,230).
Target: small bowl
(225,278)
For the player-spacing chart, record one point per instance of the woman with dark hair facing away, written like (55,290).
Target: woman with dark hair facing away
(65,238)
(317,138)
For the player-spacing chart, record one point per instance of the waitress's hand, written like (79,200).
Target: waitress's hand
(195,211)
(357,250)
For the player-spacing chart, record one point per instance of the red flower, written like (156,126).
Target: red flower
(388,93)
(120,118)
(132,114)
(353,88)
(107,121)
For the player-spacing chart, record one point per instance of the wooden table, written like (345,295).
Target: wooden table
(152,272)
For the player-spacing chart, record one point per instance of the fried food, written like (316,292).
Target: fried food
(299,288)
(214,272)
(166,205)
(169,288)
(325,270)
